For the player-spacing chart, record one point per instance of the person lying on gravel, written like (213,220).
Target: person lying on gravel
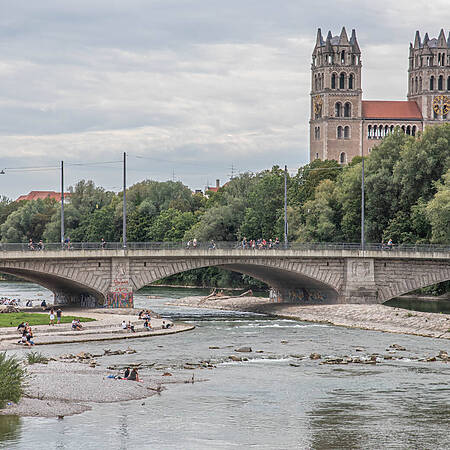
(134,376)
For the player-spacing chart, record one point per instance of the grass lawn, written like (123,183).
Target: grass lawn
(13,319)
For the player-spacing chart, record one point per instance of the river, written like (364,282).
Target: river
(273,401)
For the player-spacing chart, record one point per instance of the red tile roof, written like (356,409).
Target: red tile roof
(375,109)
(34,195)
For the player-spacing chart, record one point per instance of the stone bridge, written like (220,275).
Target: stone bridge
(103,277)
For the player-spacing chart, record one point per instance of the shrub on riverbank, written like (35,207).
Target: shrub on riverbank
(13,319)
(12,376)
(36,358)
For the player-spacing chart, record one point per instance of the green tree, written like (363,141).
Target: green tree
(322,215)
(170,225)
(438,212)
(28,221)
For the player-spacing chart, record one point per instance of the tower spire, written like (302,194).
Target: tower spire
(354,42)
(343,38)
(441,39)
(319,39)
(417,42)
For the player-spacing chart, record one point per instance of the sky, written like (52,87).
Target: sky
(191,90)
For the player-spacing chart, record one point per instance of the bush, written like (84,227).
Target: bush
(12,377)
(36,358)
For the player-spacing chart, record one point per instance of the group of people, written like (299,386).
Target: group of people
(194,244)
(129,374)
(9,301)
(76,325)
(25,331)
(35,246)
(52,316)
(260,244)
(128,326)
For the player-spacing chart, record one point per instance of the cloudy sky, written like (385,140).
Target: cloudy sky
(188,88)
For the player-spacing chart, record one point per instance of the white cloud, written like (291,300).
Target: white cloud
(196,85)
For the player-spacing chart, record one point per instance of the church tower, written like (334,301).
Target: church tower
(429,77)
(336,96)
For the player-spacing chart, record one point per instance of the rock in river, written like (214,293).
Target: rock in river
(243,350)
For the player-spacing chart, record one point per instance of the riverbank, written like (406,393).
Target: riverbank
(53,389)
(367,317)
(105,327)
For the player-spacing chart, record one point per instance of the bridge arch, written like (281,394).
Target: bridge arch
(413,282)
(68,286)
(300,275)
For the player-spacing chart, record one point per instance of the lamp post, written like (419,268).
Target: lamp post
(62,204)
(124,230)
(285,208)
(363,243)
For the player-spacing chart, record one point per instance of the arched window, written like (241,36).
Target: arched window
(369,132)
(432,84)
(403,129)
(342,81)
(386,130)
(375,132)
(342,158)
(392,128)
(440,83)
(417,85)
(343,57)
(317,156)
(333,81)
(353,60)
(348,109)
(408,130)
(420,84)
(339,132)
(448,84)
(338,109)
(347,132)
(413,132)
(351,81)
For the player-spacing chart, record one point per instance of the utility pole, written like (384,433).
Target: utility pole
(124,231)
(363,243)
(285,209)
(62,205)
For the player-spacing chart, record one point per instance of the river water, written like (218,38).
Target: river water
(273,401)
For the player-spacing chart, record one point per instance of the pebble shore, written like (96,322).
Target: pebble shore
(367,317)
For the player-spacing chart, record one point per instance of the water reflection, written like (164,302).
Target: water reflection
(413,304)
(10,428)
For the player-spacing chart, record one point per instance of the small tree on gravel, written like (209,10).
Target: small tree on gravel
(12,377)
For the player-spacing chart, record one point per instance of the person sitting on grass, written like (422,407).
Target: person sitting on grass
(134,376)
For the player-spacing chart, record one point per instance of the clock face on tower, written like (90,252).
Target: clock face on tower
(441,104)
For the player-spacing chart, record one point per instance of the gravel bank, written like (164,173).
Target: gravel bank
(62,388)
(368,317)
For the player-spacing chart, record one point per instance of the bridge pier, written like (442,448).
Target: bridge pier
(120,292)
(359,281)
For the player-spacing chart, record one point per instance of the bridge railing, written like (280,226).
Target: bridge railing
(212,246)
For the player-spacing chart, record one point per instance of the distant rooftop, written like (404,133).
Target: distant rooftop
(379,109)
(35,195)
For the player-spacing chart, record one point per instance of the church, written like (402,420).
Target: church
(343,125)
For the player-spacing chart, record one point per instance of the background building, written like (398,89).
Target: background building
(344,125)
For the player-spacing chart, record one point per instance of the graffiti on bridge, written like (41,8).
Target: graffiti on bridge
(119,300)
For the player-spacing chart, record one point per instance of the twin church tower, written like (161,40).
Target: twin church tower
(344,125)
